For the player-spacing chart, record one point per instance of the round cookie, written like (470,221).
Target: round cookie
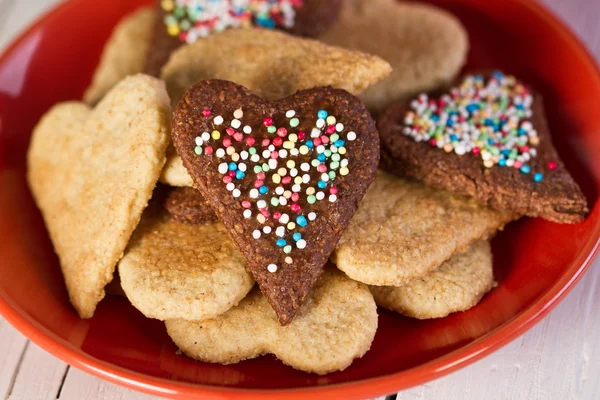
(187,205)
(178,271)
(457,285)
(425,45)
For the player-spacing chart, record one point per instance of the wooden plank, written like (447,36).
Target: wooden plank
(12,347)
(80,386)
(39,376)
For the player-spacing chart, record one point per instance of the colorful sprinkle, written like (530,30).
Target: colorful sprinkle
(281,187)
(485,116)
(193,19)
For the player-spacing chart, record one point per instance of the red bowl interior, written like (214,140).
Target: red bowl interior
(536,262)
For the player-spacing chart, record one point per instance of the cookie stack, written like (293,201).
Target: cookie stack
(235,187)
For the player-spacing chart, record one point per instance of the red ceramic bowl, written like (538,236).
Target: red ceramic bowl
(536,262)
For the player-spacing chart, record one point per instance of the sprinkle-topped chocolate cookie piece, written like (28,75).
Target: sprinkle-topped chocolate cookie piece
(285,177)
(185,21)
(487,137)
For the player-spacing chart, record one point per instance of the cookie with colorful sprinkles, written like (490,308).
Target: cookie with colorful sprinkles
(184,21)
(285,177)
(486,137)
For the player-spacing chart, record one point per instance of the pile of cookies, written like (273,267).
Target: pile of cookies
(227,174)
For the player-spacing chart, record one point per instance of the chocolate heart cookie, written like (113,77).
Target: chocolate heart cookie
(183,21)
(285,177)
(488,138)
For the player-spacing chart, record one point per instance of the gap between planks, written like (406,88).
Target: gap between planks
(39,375)
(12,350)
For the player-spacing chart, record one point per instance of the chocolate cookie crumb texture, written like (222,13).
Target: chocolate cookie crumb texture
(487,137)
(285,177)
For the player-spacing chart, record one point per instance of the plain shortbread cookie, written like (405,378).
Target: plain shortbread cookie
(336,325)
(92,173)
(425,45)
(124,53)
(172,270)
(271,64)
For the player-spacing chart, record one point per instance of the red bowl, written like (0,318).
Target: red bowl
(536,262)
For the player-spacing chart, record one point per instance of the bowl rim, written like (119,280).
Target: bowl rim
(381,385)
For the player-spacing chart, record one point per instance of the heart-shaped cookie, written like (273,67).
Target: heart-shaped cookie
(124,53)
(92,172)
(335,326)
(488,138)
(285,177)
(271,64)
(179,22)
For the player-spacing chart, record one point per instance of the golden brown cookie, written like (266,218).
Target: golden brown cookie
(403,230)
(124,53)
(425,45)
(92,173)
(172,270)
(174,173)
(271,64)
(457,285)
(335,326)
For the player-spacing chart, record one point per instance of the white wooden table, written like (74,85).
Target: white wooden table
(558,359)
